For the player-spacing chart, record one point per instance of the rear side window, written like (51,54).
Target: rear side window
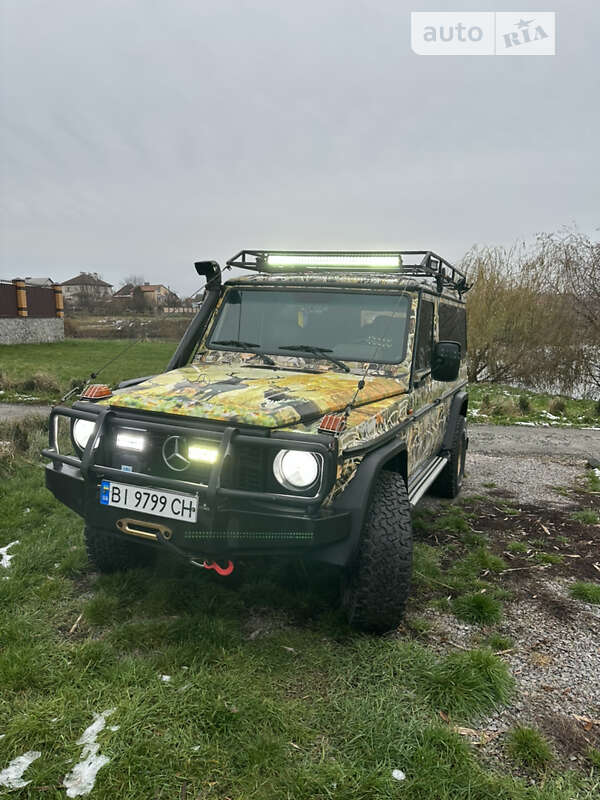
(424,336)
(453,326)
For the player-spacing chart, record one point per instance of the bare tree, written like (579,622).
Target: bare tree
(523,324)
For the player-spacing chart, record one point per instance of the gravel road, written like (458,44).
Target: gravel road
(528,462)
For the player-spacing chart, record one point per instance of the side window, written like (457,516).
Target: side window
(424,336)
(453,326)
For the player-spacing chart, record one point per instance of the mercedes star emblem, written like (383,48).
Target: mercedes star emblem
(172,455)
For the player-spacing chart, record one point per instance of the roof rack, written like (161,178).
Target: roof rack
(423,263)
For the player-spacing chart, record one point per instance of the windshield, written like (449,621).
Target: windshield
(349,325)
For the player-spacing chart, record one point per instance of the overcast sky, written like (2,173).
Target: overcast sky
(139,136)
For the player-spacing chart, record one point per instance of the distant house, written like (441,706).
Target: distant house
(155,294)
(85,288)
(39,281)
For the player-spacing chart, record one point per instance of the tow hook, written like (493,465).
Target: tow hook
(213,565)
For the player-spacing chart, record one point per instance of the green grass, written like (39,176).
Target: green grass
(58,364)
(497,642)
(504,405)
(586,591)
(592,480)
(528,747)
(548,558)
(518,547)
(588,516)
(464,684)
(271,695)
(477,608)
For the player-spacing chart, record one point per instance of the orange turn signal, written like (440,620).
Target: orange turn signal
(96,391)
(332,423)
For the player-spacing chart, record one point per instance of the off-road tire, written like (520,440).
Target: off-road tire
(449,481)
(376,586)
(114,554)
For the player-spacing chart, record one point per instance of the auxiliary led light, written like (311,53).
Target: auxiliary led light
(131,441)
(319,262)
(198,452)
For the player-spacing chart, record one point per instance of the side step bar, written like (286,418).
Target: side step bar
(424,479)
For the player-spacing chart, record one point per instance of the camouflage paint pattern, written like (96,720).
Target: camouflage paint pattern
(227,386)
(249,396)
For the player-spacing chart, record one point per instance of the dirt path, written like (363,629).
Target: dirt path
(12,411)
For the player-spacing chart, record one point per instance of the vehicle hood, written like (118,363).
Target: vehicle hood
(252,396)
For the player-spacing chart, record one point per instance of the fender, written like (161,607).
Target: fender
(460,403)
(356,499)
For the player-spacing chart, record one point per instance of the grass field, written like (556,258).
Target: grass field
(270,695)
(45,372)
(505,405)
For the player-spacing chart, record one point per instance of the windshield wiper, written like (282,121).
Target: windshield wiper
(246,346)
(316,351)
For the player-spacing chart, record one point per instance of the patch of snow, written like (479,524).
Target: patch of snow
(165,678)
(475,412)
(597,473)
(592,428)
(4,556)
(82,777)
(398,775)
(548,415)
(12,776)
(528,424)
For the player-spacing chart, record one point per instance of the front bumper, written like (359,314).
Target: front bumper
(231,522)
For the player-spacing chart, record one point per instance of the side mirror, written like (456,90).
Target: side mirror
(211,271)
(445,362)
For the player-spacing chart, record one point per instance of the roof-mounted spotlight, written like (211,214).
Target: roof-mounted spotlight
(211,271)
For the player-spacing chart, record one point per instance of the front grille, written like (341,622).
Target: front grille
(246,469)
(249,468)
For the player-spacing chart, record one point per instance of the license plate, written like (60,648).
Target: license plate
(157,502)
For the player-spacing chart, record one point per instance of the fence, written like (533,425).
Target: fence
(35,302)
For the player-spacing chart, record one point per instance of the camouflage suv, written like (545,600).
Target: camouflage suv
(310,404)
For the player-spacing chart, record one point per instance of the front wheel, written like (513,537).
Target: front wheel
(378,583)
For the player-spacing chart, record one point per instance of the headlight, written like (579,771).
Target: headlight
(297,470)
(82,430)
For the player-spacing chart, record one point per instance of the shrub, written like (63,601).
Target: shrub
(71,328)
(524,404)
(528,747)
(41,382)
(557,406)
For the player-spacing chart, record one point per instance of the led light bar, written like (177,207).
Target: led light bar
(328,261)
(131,441)
(200,452)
